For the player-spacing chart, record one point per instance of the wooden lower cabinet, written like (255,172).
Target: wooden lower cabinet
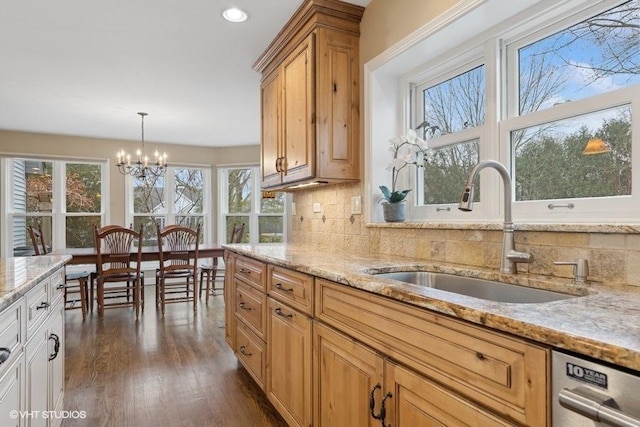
(416,401)
(250,350)
(345,375)
(507,375)
(229,291)
(350,376)
(289,363)
(322,352)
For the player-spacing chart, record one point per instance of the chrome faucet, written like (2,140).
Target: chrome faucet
(580,270)
(509,256)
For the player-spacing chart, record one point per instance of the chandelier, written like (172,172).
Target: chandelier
(140,168)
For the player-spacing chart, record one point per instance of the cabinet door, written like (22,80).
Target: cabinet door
(289,363)
(346,376)
(11,391)
(299,112)
(229,291)
(337,105)
(37,360)
(56,342)
(271,135)
(418,402)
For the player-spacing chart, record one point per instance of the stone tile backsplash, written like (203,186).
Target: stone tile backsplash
(613,257)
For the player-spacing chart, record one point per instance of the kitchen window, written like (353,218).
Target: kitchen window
(65,198)
(532,91)
(242,201)
(180,196)
(575,84)
(451,113)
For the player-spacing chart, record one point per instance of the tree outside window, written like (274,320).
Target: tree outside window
(243,203)
(50,194)
(185,186)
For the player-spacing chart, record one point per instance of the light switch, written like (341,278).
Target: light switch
(356,205)
(317,208)
(293,208)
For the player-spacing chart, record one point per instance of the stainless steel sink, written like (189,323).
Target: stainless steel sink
(477,288)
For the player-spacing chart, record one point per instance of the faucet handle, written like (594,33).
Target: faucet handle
(580,269)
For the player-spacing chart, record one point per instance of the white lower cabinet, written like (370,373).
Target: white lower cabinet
(56,362)
(32,376)
(36,364)
(11,390)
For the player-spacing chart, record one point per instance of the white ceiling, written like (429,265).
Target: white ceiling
(85,68)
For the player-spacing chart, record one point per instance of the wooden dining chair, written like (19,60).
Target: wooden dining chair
(177,277)
(119,258)
(212,270)
(70,287)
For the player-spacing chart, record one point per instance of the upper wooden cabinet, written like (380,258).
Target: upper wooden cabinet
(310,95)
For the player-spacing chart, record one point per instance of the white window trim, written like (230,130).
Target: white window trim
(387,77)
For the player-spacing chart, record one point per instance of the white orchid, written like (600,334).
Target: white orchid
(405,150)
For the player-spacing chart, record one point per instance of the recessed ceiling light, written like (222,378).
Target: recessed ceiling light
(233,14)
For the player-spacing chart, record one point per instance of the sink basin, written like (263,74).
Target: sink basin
(477,288)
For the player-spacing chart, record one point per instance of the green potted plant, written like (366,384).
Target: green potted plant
(405,151)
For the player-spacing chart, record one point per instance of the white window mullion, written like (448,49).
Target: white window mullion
(58,207)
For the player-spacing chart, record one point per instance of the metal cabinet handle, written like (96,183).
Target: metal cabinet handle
(581,401)
(4,354)
(43,305)
(244,271)
(280,313)
(60,286)
(242,306)
(372,405)
(243,351)
(282,288)
(56,346)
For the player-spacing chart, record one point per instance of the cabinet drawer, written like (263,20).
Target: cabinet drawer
(12,331)
(251,271)
(11,392)
(251,351)
(291,287)
(505,374)
(251,307)
(57,286)
(38,305)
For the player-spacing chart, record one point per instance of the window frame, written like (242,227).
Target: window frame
(170,213)
(456,66)
(254,214)
(58,212)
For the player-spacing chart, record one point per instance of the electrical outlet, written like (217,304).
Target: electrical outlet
(317,208)
(356,205)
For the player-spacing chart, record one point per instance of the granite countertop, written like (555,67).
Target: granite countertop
(18,275)
(603,322)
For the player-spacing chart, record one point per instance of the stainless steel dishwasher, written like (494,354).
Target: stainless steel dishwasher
(586,393)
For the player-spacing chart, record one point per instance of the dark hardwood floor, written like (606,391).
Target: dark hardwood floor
(171,371)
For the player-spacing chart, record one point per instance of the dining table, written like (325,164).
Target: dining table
(88,256)
(149,253)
